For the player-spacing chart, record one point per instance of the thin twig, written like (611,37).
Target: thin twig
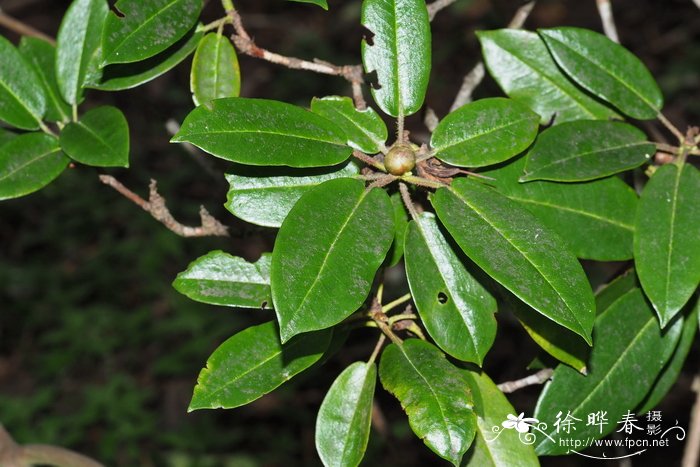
(23,29)
(430,120)
(246,45)
(691,454)
(536,378)
(671,127)
(438,5)
(377,348)
(476,75)
(369,160)
(697,2)
(406,197)
(12,454)
(606,16)
(156,207)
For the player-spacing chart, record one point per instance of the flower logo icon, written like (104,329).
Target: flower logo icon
(520,423)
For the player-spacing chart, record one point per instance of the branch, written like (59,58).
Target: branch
(691,454)
(14,455)
(21,28)
(697,2)
(156,207)
(438,5)
(606,16)
(536,378)
(246,45)
(476,75)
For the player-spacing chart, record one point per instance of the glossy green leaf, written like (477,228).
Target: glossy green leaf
(264,132)
(492,448)
(629,352)
(615,289)
(42,57)
(215,71)
(399,51)
(78,45)
(130,75)
(434,395)
(267,200)
(522,66)
(586,150)
(455,309)
(365,129)
(345,416)
(146,28)
(606,69)
(485,132)
(22,97)
(218,278)
(667,239)
(252,363)
(322,3)
(28,163)
(562,344)
(401,224)
(6,136)
(99,138)
(516,249)
(595,219)
(327,253)
(668,377)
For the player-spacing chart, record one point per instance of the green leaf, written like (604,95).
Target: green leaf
(127,76)
(78,45)
(100,138)
(667,239)
(267,200)
(365,129)
(561,344)
(586,150)
(485,132)
(322,3)
(218,278)
(491,448)
(629,352)
(521,65)
(456,310)
(668,377)
(22,97)
(42,57)
(606,69)
(327,253)
(264,132)
(146,28)
(434,395)
(345,416)
(399,51)
(215,71)
(401,223)
(6,136)
(252,363)
(28,163)
(595,219)
(512,246)
(615,289)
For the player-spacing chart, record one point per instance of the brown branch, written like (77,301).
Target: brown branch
(606,16)
(536,378)
(691,454)
(476,75)
(406,197)
(245,44)
(156,207)
(438,5)
(22,29)
(14,455)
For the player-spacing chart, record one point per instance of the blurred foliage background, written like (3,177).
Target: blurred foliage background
(99,354)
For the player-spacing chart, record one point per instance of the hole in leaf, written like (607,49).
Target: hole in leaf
(442,298)
(372,79)
(367,36)
(263,305)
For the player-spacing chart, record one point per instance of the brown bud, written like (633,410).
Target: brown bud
(400,159)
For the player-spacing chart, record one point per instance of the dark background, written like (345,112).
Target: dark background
(98,353)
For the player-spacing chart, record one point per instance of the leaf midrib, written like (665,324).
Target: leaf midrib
(676,188)
(29,162)
(573,210)
(474,136)
(189,134)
